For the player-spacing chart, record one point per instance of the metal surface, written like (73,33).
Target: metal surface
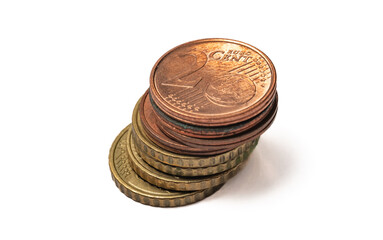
(146,155)
(208,103)
(139,190)
(166,181)
(213,82)
(227,142)
(207,132)
(178,160)
(148,119)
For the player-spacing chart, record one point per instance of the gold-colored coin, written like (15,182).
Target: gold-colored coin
(144,144)
(139,190)
(187,172)
(163,180)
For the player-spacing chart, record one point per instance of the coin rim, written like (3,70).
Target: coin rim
(187,172)
(152,200)
(230,141)
(175,159)
(207,132)
(166,141)
(166,181)
(219,119)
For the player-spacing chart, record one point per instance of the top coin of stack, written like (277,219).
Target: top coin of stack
(212,95)
(208,103)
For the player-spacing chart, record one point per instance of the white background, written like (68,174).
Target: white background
(72,71)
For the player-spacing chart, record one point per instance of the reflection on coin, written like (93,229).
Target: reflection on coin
(139,190)
(213,82)
(230,90)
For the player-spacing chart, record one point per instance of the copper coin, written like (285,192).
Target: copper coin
(227,142)
(207,132)
(146,116)
(213,82)
(145,145)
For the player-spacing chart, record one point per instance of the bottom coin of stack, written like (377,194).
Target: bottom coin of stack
(150,174)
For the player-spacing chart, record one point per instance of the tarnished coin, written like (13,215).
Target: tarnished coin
(213,82)
(139,190)
(154,131)
(166,181)
(227,142)
(207,132)
(184,161)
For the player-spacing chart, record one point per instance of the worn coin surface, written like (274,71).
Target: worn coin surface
(213,82)
(207,132)
(139,190)
(167,181)
(154,131)
(145,144)
(226,142)
(146,154)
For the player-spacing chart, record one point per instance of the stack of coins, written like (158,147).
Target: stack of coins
(208,103)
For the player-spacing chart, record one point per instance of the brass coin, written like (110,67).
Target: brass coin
(213,82)
(144,144)
(187,172)
(163,180)
(139,190)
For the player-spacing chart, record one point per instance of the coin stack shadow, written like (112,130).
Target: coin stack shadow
(164,160)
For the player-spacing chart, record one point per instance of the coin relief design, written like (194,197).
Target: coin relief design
(212,77)
(229,90)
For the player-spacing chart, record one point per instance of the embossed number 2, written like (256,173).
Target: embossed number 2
(187,78)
